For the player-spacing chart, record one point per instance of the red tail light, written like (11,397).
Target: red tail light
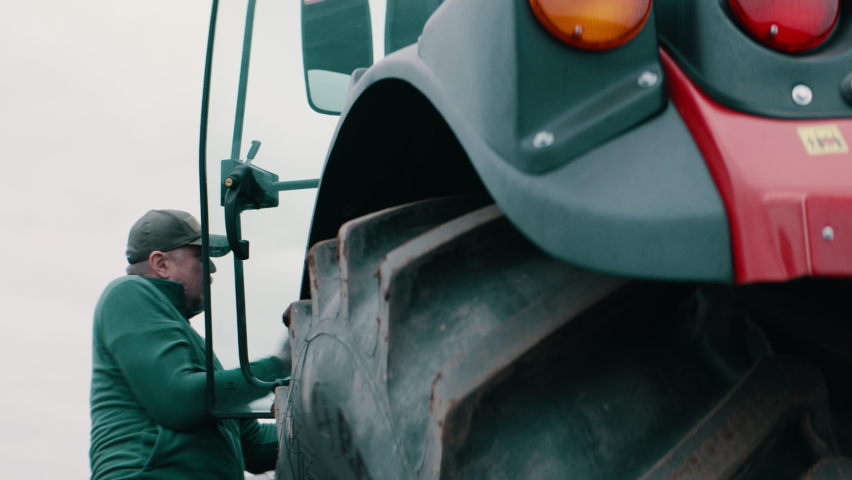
(787,25)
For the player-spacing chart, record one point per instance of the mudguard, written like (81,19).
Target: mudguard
(637,202)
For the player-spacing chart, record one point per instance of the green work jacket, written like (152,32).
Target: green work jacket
(148,404)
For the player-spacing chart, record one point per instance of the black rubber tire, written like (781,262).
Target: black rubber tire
(439,343)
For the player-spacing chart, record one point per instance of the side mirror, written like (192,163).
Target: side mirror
(404,21)
(336,39)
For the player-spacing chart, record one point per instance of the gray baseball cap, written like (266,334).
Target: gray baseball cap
(164,230)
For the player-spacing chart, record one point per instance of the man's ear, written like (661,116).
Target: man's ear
(157,261)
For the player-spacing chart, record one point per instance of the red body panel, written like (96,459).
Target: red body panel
(779,196)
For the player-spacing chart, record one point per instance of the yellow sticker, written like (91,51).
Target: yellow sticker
(823,140)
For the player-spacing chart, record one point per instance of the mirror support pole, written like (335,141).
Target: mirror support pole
(243,85)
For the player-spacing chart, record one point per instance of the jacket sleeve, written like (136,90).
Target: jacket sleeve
(153,351)
(260,445)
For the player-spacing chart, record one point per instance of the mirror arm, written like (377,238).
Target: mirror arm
(293,185)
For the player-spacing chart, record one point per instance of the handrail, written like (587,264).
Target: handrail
(239,275)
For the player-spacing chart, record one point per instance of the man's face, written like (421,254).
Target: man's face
(188,270)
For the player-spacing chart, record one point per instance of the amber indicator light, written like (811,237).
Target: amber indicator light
(593,24)
(787,25)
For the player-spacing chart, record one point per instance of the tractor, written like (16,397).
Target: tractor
(591,239)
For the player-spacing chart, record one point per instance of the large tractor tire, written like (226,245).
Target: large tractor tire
(440,344)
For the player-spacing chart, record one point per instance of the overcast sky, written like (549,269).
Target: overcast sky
(99,116)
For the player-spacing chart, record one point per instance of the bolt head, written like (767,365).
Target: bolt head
(828,233)
(802,95)
(543,139)
(229,181)
(648,79)
(773,30)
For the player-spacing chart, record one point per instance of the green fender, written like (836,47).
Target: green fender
(627,193)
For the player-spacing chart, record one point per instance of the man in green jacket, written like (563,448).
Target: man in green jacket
(148,404)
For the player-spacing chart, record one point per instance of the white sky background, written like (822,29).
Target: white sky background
(99,117)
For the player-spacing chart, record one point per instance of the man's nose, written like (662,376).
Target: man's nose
(212,267)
